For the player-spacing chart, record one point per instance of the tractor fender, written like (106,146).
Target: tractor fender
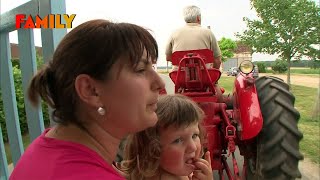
(247,112)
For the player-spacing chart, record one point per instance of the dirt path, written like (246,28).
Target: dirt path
(309,170)
(303,80)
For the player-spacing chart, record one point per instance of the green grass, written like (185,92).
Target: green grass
(308,125)
(305,101)
(302,71)
(310,143)
(227,83)
(305,71)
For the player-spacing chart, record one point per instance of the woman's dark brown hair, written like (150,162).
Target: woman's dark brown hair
(142,151)
(91,48)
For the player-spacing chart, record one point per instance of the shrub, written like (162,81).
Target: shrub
(315,64)
(261,67)
(2,121)
(279,66)
(20,104)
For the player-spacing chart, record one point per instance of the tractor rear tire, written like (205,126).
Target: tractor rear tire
(277,145)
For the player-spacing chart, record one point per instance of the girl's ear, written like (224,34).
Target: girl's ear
(86,89)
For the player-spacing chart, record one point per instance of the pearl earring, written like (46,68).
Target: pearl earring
(101,111)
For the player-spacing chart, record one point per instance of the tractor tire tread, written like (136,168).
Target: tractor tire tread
(278,142)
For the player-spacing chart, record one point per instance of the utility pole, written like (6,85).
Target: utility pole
(167,67)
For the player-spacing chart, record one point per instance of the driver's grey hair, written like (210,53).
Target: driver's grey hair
(190,14)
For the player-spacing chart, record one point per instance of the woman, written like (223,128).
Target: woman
(102,87)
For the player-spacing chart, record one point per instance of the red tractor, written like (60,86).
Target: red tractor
(259,118)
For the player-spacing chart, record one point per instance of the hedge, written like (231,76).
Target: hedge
(20,102)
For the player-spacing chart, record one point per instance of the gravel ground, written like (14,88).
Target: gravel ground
(303,80)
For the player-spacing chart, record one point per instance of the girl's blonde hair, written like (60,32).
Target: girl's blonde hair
(142,151)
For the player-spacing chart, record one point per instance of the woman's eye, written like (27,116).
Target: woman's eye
(195,136)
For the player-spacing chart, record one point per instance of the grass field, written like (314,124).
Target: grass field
(299,71)
(305,103)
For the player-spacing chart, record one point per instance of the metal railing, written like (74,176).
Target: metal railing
(27,59)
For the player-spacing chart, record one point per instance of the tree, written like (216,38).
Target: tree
(289,28)
(227,47)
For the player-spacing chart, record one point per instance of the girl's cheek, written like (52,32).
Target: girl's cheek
(198,151)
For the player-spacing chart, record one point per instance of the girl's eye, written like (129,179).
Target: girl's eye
(177,141)
(141,70)
(195,136)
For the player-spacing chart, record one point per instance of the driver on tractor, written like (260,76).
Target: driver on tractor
(193,37)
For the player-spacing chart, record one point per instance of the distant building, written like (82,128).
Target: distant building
(242,53)
(15,51)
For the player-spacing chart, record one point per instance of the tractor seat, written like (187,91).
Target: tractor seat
(192,72)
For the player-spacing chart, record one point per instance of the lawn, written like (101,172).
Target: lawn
(227,83)
(308,125)
(302,71)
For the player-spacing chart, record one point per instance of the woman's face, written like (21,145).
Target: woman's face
(179,149)
(130,97)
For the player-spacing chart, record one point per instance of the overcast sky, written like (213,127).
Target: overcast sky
(162,16)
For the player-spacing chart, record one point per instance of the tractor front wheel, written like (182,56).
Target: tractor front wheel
(277,145)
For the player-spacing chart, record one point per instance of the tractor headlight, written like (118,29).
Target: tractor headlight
(246,67)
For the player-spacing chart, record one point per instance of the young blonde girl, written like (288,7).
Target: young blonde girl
(172,148)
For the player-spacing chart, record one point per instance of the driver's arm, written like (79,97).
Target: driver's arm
(216,52)
(169,50)
(168,57)
(217,62)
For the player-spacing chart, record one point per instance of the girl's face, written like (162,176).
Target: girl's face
(179,149)
(130,97)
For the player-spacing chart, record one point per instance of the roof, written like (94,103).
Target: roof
(15,51)
(242,48)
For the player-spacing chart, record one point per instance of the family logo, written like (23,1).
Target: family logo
(50,21)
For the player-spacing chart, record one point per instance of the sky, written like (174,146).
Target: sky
(161,17)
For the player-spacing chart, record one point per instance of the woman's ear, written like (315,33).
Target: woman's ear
(86,89)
